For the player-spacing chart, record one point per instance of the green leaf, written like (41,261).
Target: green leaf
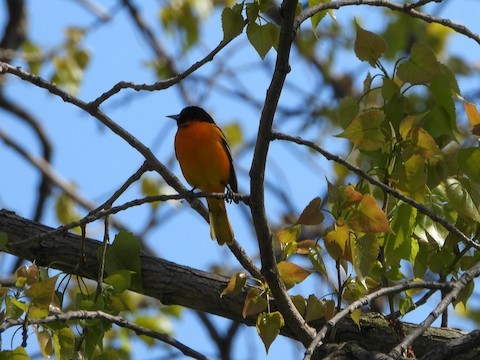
(14,308)
(235,285)
(252,11)
(461,200)
(399,241)
(232,23)
(120,280)
(41,294)
(336,240)
(63,343)
(315,19)
(369,217)
(405,305)
(469,160)
(356,315)
(365,130)
(291,273)
(18,354)
(300,303)
(312,214)
(260,36)
(289,234)
(369,46)
(347,110)
(268,327)
(254,303)
(315,309)
(316,259)
(442,93)
(365,253)
(422,66)
(124,254)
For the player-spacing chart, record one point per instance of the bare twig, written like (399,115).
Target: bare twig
(467,277)
(318,341)
(420,207)
(117,320)
(293,319)
(405,8)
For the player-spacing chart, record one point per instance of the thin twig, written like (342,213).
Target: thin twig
(467,277)
(318,341)
(386,4)
(120,321)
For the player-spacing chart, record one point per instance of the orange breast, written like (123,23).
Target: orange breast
(202,156)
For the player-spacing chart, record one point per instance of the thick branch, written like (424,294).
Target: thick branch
(195,289)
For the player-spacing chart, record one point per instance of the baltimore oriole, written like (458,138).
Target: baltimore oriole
(206,164)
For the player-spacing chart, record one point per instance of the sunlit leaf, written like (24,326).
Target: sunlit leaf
(268,327)
(289,234)
(422,144)
(336,240)
(316,259)
(369,217)
(235,285)
(315,19)
(421,67)
(464,295)
(399,241)
(291,273)
(365,253)
(356,315)
(406,305)
(41,293)
(369,46)
(461,200)
(351,197)
(124,254)
(312,214)
(469,160)
(254,303)
(120,280)
(63,343)
(365,130)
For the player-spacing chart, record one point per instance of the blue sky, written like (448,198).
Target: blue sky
(98,162)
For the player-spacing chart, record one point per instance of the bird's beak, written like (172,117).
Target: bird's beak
(174,117)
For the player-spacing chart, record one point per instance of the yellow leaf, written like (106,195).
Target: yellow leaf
(356,316)
(235,285)
(254,303)
(472,113)
(369,217)
(291,273)
(289,234)
(268,327)
(336,240)
(312,214)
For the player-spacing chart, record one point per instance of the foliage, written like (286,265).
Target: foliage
(404,210)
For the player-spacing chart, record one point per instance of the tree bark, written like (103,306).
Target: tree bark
(195,289)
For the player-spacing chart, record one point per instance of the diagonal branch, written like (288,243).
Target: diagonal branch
(118,320)
(257,174)
(420,207)
(458,286)
(156,165)
(405,8)
(318,341)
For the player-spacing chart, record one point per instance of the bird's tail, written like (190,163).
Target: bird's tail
(220,228)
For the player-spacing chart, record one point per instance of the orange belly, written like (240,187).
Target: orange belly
(202,156)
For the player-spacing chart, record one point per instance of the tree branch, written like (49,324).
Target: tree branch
(420,207)
(118,320)
(292,317)
(405,8)
(161,169)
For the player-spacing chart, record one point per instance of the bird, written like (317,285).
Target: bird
(206,163)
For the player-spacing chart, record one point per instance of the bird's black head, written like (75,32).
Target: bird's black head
(192,113)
